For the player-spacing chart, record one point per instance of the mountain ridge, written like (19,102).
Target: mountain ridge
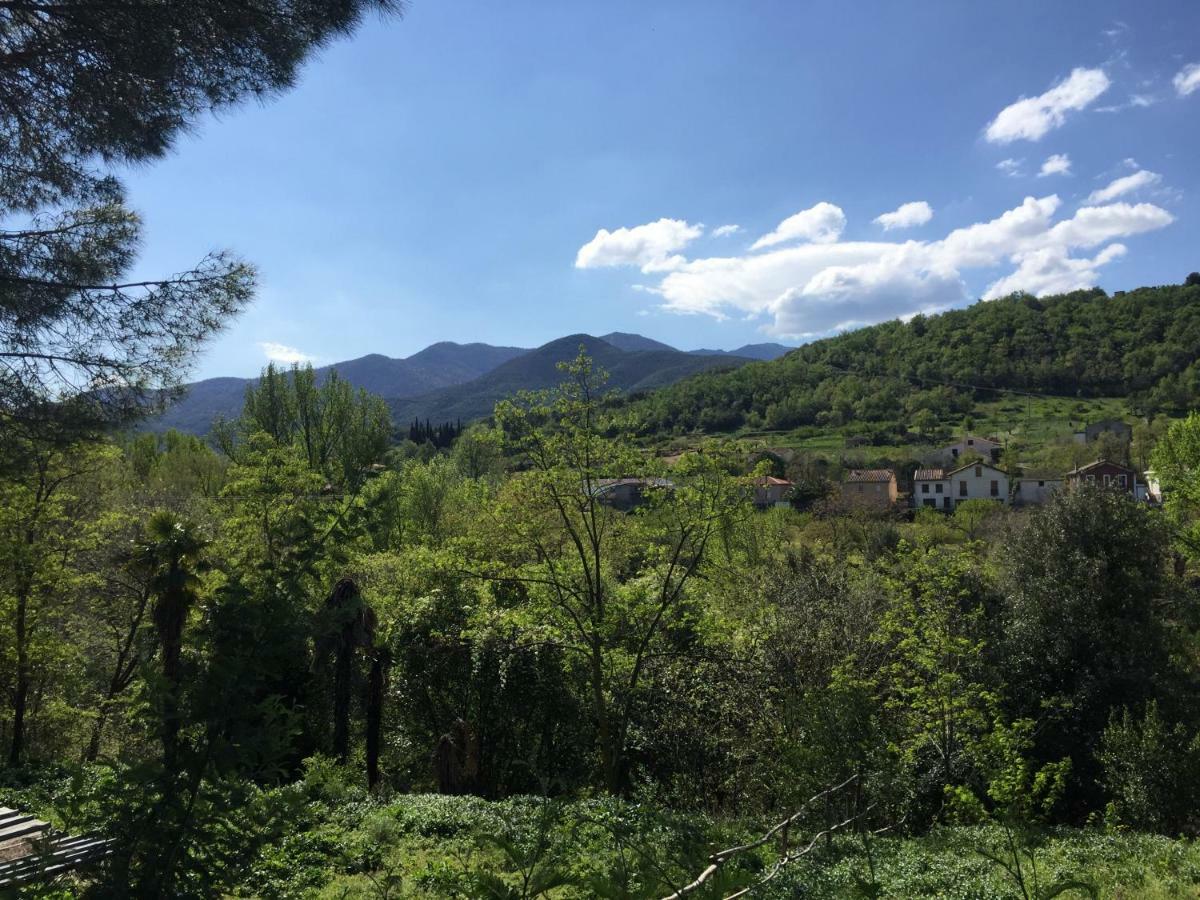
(442,366)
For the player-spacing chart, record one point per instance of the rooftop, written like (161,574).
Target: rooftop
(870,475)
(929,475)
(1099,462)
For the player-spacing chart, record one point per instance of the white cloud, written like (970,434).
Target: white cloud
(819,224)
(988,243)
(1058,164)
(1124,185)
(907,215)
(282,353)
(1093,225)
(1187,80)
(1010,167)
(813,288)
(723,230)
(841,297)
(651,247)
(1051,270)
(1031,118)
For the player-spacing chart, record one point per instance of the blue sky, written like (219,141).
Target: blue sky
(447,176)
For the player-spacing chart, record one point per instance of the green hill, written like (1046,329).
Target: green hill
(1141,345)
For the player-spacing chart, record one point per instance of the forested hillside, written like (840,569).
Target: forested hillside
(1143,345)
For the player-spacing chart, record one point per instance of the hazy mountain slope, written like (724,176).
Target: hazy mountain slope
(623,340)
(437,366)
(629,371)
(750,351)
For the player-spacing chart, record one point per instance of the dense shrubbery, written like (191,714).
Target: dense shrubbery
(300,622)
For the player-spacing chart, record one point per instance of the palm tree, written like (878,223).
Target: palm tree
(170,555)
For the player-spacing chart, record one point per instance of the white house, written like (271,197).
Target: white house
(930,489)
(1034,490)
(977,481)
(970,446)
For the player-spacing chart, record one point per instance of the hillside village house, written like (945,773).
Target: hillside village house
(973,481)
(929,489)
(869,488)
(626,493)
(1104,473)
(1105,426)
(770,491)
(1034,489)
(971,445)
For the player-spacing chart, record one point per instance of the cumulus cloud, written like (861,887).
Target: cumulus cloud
(1010,167)
(814,288)
(1031,118)
(652,247)
(1124,185)
(282,353)
(1058,164)
(723,230)
(907,215)
(1187,80)
(820,224)
(1051,270)
(1093,225)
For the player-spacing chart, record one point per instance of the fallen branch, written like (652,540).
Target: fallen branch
(717,860)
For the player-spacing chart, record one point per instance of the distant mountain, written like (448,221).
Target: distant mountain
(750,351)
(623,340)
(630,371)
(448,381)
(437,366)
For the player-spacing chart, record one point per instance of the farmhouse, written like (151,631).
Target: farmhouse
(1104,473)
(977,481)
(869,488)
(971,446)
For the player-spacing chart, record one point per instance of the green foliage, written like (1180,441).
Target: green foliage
(1092,558)
(338,432)
(1176,463)
(1151,771)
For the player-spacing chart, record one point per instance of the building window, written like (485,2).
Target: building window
(1041,484)
(937,488)
(924,489)
(1121,480)
(1107,478)
(995,488)
(962,489)
(1092,478)
(970,442)
(979,471)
